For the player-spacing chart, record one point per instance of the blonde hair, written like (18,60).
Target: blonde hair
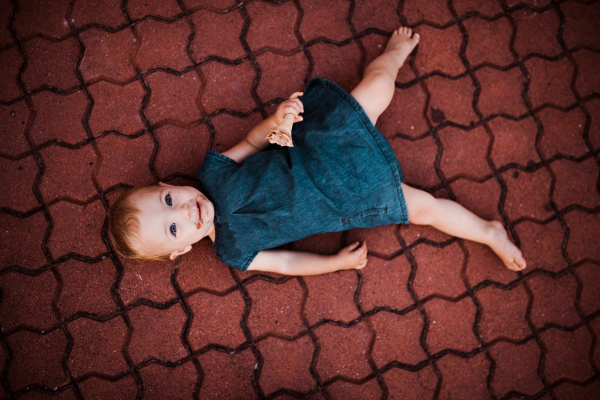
(124,229)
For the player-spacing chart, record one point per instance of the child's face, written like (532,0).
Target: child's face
(172,218)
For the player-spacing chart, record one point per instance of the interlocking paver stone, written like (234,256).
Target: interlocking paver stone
(16,231)
(553,300)
(412,121)
(163,45)
(456,161)
(97,346)
(235,369)
(325,19)
(581,24)
(124,388)
(331,62)
(527,194)
(480,198)
(343,351)
(150,281)
(562,132)
(576,183)
(504,313)
(584,229)
(116,107)
(273,66)
(157,334)
(391,329)
(32,295)
(162,382)
(86,287)
(541,244)
(12,127)
(496,108)
(227,86)
(286,365)
(587,80)
(569,390)
(436,12)
(514,141)
(45,351)
(488,41)
(516,368)
(172,158)
(108,56)
(12,61)
(164,8)
(589,300)
(59,117)
(331,297)
(217,34)
(418,159)
(344,390)
(439,270)
(216,320)
(40,18)
(451,100)
(451,325)
(545,86)
(277,310)
(18,193)
(122,160)
(467,377)
(385,284)
(78,165)
(86,12)
(404,384)
(536,32)
(5,15)
(51,63)
(501,91)
(567,354)
(77,229)
(271,26)
(440,54)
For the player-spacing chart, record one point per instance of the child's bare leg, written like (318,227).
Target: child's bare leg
(374,93)
(453,219)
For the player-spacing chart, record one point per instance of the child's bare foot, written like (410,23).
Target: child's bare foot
(402,42)
(509,253)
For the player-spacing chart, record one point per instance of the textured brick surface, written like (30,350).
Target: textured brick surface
(497,108)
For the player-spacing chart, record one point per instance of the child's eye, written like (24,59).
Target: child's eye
(168,200)
(173,229)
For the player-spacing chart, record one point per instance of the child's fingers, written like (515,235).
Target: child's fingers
(296,94)
(352,246)
(296,103)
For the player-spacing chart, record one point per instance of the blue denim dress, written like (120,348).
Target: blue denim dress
(340,174)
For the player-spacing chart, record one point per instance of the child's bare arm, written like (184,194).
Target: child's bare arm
(255,140)
(300,263)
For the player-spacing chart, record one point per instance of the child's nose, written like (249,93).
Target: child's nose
(185,210)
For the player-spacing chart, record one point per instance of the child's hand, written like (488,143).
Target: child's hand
(353,256)
(291,106)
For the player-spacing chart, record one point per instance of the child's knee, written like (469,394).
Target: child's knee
(422,210)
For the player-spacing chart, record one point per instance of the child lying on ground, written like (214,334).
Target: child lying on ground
(340,174)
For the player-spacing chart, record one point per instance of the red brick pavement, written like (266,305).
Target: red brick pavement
(497,108)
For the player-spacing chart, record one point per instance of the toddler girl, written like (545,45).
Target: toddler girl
(340,174)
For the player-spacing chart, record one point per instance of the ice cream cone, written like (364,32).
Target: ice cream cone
(282,135)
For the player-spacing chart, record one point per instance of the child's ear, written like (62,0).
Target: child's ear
(180,252)
(163,184)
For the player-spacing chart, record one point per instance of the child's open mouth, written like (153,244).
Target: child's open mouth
(199,223)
